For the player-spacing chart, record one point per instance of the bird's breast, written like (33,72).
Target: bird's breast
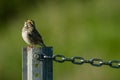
(25,37)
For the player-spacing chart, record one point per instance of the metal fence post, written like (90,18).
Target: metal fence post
(33,68)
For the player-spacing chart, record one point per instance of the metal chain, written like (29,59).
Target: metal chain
(80,60)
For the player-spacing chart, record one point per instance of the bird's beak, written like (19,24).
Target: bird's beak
(26,25)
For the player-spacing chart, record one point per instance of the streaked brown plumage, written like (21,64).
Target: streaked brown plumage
(30,35)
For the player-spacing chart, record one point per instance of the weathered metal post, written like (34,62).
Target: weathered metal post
(37,64)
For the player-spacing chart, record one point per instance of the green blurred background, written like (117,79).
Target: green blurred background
(86,28)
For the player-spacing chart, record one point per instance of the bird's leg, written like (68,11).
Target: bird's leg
(30,46)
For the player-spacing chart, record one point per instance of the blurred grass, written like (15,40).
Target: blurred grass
(74,28)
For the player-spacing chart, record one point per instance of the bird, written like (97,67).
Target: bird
(30,34)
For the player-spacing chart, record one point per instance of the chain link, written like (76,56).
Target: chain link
(79,60)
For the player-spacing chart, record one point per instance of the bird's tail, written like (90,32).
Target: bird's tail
(43,45)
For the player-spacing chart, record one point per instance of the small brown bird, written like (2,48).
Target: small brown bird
(30,35)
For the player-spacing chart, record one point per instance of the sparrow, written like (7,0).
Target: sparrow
(30,34)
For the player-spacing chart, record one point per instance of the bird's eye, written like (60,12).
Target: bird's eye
(31,22)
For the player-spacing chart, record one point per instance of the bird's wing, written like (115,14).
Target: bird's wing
(36,38)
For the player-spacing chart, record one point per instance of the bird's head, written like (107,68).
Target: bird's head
(29,25)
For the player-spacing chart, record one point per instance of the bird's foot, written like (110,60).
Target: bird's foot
(30,46)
